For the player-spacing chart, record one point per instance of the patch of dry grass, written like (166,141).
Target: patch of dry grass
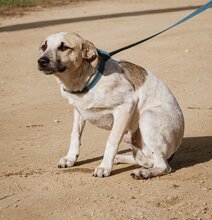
(20,7)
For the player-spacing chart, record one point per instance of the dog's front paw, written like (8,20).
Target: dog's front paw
(101,172)
(65,162)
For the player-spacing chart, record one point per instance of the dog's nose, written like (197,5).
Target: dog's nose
(43,61)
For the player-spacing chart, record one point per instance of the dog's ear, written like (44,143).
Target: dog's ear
(89,53)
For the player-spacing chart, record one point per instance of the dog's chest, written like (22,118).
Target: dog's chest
(104,121)
(99,117)
(96,109)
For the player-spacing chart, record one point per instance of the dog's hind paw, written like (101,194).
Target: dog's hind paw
(140,174)
(65,163)
(151,172)
(101,172)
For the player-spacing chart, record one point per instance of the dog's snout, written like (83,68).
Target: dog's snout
(43,61)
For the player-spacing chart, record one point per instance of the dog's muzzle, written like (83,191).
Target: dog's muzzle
(45,66)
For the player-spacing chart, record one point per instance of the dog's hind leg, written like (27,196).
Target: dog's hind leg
(120,158)
(135,143)
(155,147)
(137,147)
(161,167)
(141,159)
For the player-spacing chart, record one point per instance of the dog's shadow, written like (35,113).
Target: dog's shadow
(193,150)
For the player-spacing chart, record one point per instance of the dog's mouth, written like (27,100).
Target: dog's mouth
(45,70)
(49,71)
(62,69)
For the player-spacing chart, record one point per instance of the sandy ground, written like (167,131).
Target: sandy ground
(35,121)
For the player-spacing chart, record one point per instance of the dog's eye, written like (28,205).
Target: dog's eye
(44,46)
(63,47)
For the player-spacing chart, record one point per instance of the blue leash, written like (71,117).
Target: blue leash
(106,56)
(196,12)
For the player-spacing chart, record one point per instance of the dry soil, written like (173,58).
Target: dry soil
(35,121)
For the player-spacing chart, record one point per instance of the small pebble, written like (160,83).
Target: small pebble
(56,121)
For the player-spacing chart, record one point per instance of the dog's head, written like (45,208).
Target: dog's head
(63,52)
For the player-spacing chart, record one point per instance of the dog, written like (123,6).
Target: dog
(128,100)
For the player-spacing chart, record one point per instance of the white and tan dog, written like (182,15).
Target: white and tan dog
(128,100)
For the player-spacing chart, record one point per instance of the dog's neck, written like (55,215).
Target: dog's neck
(78,79)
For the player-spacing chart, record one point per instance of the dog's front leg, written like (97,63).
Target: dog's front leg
(122,115)
(74,147)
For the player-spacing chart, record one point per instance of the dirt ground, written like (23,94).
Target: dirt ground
(35,121)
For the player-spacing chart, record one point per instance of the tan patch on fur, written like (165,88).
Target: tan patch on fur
(136,75)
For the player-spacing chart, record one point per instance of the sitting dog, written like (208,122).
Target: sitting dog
(128,100)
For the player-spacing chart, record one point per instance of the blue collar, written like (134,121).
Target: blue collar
(105,56)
